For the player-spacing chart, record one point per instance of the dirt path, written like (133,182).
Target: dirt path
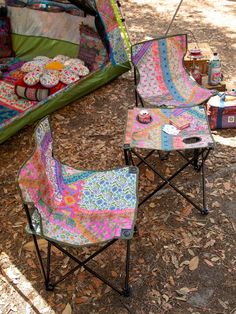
(182,262)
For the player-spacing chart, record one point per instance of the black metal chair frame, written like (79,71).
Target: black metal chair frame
(46,270)
(197,161)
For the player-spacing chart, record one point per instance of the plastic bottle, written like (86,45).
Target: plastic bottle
(214,70)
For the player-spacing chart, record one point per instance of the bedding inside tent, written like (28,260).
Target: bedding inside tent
(54,52)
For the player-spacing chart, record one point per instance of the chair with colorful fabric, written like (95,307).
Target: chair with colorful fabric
(70,207)
(160,77)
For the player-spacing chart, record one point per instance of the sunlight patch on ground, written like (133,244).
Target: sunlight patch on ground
(216,15)
(227,141)
(20,290)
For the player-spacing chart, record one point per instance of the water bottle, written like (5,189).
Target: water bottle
(214,70)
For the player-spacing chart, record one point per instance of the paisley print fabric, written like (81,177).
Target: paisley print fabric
(75,206)
(162,77)
(195,134)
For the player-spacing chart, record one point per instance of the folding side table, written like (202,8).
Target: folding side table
(193,133)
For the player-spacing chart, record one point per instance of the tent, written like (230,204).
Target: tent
(51,28)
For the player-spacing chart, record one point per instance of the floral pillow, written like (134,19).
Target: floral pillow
(36,92)
(49,72)
(91,49)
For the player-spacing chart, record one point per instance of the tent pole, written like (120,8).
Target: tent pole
(167,31)
(123,20)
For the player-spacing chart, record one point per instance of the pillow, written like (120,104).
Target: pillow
(36,92)
(49,78)
(5,38)
(91,48)
(32,78)
(68,77)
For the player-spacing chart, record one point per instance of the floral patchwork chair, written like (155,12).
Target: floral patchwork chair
(70,207)
(160,77)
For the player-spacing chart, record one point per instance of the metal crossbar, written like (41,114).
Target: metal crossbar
(194,161)
(46,273)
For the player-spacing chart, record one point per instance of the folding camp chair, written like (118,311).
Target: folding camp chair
(159,74)
(70,207)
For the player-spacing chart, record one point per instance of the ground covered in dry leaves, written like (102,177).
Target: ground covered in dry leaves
(182,262)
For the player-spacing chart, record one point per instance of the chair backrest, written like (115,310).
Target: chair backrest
(159,62)
(39,177)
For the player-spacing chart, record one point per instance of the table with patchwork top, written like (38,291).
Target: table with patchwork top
(190,132)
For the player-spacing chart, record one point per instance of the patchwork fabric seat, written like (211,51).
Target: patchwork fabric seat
(74,207)
(160,77)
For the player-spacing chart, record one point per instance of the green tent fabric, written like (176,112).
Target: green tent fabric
(43,32)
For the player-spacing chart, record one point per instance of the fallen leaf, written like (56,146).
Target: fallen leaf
(152,205)
(165,297)
(223,304)
(97,282)
(67,309)
(43,244)
(80,300)
(150,175)
(209,243)
(114,273)
(193,263)
(186,211)
(183,291)
(216,204)
(227,186)
(171,280)
(209,263)
(31,263)
(175,261)
(179,271)
(183,298)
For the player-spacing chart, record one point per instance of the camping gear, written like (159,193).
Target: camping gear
(160,78)
(221,110)
(72,207)
(196,74)
(173,18)
(86,29)
(191,132)
(214,70)
(198,54)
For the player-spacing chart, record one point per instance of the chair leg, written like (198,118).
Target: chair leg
(45,274)
(196,159)
(163,155)
(48,284)
(135,83)
(205,210)
(39,258)
(127,290)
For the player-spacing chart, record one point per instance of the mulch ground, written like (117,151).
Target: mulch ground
(181,261)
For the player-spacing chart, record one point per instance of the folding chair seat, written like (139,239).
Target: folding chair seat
(73,207)
(160,77)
